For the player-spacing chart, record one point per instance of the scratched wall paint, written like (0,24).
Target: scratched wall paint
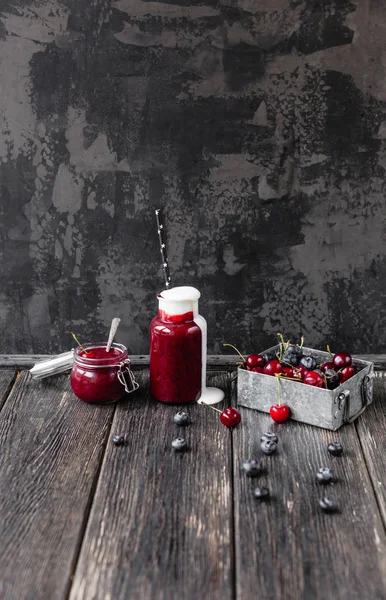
(258,125)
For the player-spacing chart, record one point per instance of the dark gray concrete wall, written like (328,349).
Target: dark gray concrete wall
(258,125)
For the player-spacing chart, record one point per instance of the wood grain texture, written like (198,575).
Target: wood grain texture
(214,361)
(161,522)
(371,427)
(7,379)
(287,548)
(25,361)
(51,447)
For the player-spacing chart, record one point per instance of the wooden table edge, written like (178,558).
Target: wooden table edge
(25,361)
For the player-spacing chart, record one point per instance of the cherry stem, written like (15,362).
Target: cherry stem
(302,341)
(278,389)
(238,352)
(285,377)
(210,406)
(329,351)
(78,342)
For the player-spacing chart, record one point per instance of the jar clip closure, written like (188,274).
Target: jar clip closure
(126,376)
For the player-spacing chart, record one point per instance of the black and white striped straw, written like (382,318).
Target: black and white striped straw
(165,264)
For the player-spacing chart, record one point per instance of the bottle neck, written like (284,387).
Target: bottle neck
(181,318)
(177,311)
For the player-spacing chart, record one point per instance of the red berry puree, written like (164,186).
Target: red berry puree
(94,374)
(175,358)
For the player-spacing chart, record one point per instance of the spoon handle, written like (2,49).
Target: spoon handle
(113,330)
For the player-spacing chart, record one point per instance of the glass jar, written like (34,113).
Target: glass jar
(98,376)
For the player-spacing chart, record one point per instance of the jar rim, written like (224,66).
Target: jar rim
(100,362)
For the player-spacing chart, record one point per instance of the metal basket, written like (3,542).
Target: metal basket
(329,409)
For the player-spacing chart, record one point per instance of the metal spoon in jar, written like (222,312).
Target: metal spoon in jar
(113,330)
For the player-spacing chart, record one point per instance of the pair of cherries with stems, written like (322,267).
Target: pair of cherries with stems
(255,362)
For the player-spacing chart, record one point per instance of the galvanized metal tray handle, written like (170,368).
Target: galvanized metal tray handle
(366,396)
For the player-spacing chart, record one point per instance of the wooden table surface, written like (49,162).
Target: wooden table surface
(83,519)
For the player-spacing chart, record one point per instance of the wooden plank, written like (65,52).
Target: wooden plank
(287,548)
(161,522)
(7,379)
(214,362)
(20,361)
(51,449)
(371,427)
(26,361)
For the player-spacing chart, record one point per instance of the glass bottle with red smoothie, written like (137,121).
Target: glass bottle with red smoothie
(178,338)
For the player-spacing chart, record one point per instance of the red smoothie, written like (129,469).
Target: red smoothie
(175,358)
(94,374)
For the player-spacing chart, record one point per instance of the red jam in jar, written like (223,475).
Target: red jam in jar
(175,354)
(94,375)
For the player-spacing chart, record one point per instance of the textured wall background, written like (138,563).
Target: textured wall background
(258,125)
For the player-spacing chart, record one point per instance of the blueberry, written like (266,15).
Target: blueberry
(181,418)
(295,349)
(309,362)
(327,505)
(118,440)
(335,448)
(268,446)
(269,436)
(267,357)
(324,475)
(251,467)
(261,493)
(179,444)
(290,358)
(332,378)
(319,372)
(292,354)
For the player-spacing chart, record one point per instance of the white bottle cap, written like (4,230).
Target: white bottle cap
(179,300)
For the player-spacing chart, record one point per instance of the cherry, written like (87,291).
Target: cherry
(257,370)
(272,367)
(288,371)
(254,360)
(313,378)
(297,373)
(327,365)
(279,412)
(341,359)
(88,354)
(303,371)
(230,417)
(346,373)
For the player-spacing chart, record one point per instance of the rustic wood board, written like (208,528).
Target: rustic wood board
(7,379)
(371,427)
(161,522)
(51,450)
(214,361)
(287,548)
